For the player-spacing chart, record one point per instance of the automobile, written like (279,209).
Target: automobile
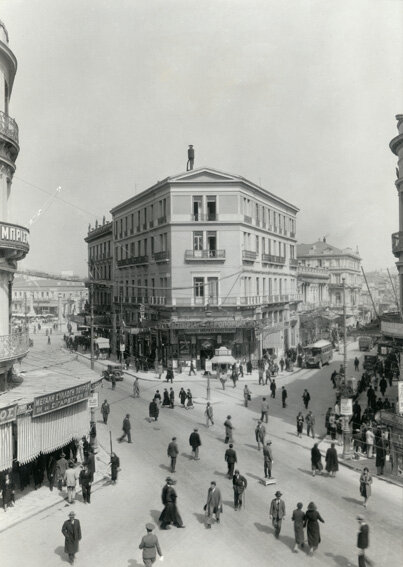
(113,369)
(370,361)
(318,353)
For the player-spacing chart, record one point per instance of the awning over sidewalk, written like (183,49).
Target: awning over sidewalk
(6,446)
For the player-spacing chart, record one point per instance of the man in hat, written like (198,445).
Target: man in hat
(277,512)
(214,504)
(70,480)
(170,513)
(173,452)
(228,430)
(239,484)
(362,541)
(260,434)
(268,459)
(71,530)
(150,546)
(126,428)
(195,443)
(265,410)
(61,467)
(105,409)
(284,396)
(231,459)
(209,414)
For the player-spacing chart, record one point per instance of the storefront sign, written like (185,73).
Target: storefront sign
(61,399)
(346,406)
(208,324)
(8,414)
(93,400)
(13,233)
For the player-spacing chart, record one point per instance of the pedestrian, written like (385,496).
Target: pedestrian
(332,426)
(267,375)
(8,490)
(332,461)
(273,388)
(267,460)
(71,530)
(277,512)
(70,479)
(310,423)
(51,471)
(160,369)
(192,369)
(223,378)
(208,412)
(195,443)
(170,513)
(380,455)
(105,410)
(230,458)
(241,369)
(228,430)
(369,438)
(150,546)
(333,378)
(234,376)
(213,504)
(189,397)
(172,398)
(306,397)
(383,385)
(249,367)
(153,410)
(365,485)
(282,364)
(126,428)
(166,401)
(261,375)
(136,388)
(312,519)
(246,395)
(362,541)
(49,340)
(260,434)
(300,424)
(173,452)
(170,374)
(356,364)
(239,485)
(157,398)
(265,410)
(115,467)
(113,380)
(85,479)
(182,397)
(316,460)
(284,396)
(298,517)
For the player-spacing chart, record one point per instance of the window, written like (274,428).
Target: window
(145,247)
(152,245)
(138,220)
(211,208)
(257,245)
(257,213)
(152,213)
(197,208)
(257,286)
(198,284)
(198,240)
(153,287)
(139,248)
(145,288)
(145,215)
(212,241)
(212,284)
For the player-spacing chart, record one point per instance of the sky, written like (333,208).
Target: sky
(299,96)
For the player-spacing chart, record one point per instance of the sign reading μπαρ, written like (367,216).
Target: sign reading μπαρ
(13,233)
(63,398)
(8,414)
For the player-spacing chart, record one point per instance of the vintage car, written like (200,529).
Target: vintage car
(113,369)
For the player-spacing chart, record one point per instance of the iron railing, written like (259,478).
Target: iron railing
(8,127)
(14,346)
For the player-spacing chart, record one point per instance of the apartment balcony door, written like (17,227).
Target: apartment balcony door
(197,208)
(211,242)
(212,287)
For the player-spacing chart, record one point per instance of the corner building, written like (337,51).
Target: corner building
(204,259)
(13,238)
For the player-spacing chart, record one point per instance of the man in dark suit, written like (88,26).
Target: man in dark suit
(195,443)
(173,452)
(239,484)
(150,546)
(214,504)
(126,427)
(71,530)
(362,542)
(277,512)
(231,459)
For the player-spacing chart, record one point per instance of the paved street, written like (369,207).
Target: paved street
(113,524)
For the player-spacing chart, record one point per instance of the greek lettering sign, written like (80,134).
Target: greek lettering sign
(93,401)
(400,396)
(15,235)
(61,399)
(8,414)
(346,406)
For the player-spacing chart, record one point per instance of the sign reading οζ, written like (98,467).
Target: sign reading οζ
(61,399)
(13,233)
(8,414)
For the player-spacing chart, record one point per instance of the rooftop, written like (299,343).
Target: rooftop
(323,248)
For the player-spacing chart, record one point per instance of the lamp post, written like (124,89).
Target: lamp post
(344,331)
(346,392)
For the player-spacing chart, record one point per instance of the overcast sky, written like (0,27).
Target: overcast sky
(299,96)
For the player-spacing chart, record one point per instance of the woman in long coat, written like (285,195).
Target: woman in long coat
(300,424)
(312,519)
(316,460)
(332,462)
(298,517)
(170,513)
(153,410)
(365,485)
(115,464)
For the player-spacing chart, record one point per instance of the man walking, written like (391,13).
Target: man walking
(170,513)
(231,459)
(268,459)
(306,398)
(126,427)
(192,369)
(260,434)
(71,530)
(277,512)
(284,396)
(61,467)
(195,443)
(265,410)
(228,430)
(214,504)
(105,409)
(362,541)
(150,546)
(70,479)
(273,388)
(356,364)
(310,423)
(85,479)
(173,452)
(239,484)
(172,398)
(208,412)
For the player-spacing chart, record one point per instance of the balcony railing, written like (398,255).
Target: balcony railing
(193,255)
(270,259)
(397,243)
(162,220)
(205,217)
(161,256)
(313,272)
(14,346)
(157,300)
(8,127)
(133,261)
(247,219)
(249,255)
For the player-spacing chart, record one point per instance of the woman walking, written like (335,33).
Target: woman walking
(136,388)
(300,424)
(332,461)
(189,403)
(316,460)
(246,395)
(312,519)
(298,517)
(365,485)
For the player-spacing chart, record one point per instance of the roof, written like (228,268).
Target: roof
(21,282)
(323,248)
(319,344)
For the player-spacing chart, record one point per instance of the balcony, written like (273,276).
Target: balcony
(310,273)
(397,243)
(8,127)
(14,346)
(157,300)
(247,219)
(249,255)
(161,256)
(13,241)
(162,220)
(205,217)
(133,261)
(204,255)
(270,259)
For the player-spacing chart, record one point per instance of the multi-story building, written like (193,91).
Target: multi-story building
(13,238)
(340,264)
(313,284)
(204,259)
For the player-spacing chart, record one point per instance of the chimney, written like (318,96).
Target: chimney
(191,158)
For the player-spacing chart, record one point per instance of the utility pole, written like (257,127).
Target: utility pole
(345,390)
(344,330)
(92,323)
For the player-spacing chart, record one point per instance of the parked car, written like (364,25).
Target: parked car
(115,369)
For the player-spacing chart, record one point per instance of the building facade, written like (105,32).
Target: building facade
(313,284)
(340,264)
(205,259)
(13,238)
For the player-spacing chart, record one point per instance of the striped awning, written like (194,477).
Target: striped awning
(6,446)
